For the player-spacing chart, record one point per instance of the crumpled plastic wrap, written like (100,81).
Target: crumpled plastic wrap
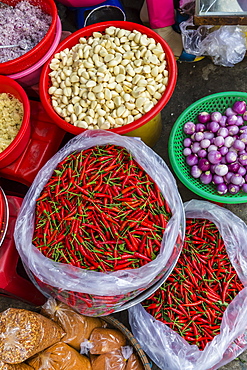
(165,346)
(225,45)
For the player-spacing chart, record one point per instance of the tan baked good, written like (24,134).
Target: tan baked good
(24,333)
(105,340)
(134,363)
(110,361)
(76,326)
(60,356)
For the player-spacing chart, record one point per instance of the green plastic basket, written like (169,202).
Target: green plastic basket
(211,103)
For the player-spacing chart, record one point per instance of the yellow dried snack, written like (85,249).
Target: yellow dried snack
(106,340)
(60,356)
(24,333)
(76,326)
(11,115)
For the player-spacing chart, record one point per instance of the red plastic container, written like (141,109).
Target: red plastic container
(45,140)
(14,282)
(12,152)
(34,55)
(73,39)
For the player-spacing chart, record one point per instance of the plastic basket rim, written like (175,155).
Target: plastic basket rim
(234,199)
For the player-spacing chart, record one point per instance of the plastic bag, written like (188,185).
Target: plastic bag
(60,356)
(113,360)
(22,366)
(103,340)
(76,326)
(225,45)
(24,333)
(134,363)
(54,277)
(165,346)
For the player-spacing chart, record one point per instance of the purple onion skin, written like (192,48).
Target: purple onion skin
(243,138)
(243,159)
(244,116)
(219,141)
(223,131)
(227,177)
(202,153)
(200,127)
(221,189)
(239,121)
(205,143)
(214,156)
(213,126)
(237,179)
(242,171)
(234,167)
(244,188)
(238,145)
(187,142)
(217,179)
(222,121)
(206,177)
(189,128)
(239,107)
(195,147)
(209,135)
(233,189)
(223,150)
(187,151)
(195,172)
(204,164)
(216,116)
(191,159)
(221,169)
(231,157)
(199,136)
(231,120)
(203,117)
(229,112)
(233,130)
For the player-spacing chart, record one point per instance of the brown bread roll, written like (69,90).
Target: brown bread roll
(60,356)
(105,340)
(24,333)
(76,326)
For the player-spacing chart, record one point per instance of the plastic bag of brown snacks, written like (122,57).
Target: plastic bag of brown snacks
(60,356)
(24,333)
(4,366)
(134,363)
(113,360)
(103,340)
(76,326)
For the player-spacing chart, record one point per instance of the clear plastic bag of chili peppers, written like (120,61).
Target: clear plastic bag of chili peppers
(102,222)
(197,319)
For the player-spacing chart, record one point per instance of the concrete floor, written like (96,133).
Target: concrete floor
(195,80)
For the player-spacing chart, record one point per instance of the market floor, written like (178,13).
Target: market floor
(195,80)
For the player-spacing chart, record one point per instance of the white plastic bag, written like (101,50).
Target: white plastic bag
(70,278)
(165,346)
(225,45)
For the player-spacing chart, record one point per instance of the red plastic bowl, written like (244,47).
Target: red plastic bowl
(45,82)
(17,146)
(34,55)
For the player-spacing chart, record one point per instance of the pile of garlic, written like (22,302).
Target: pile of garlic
(109,79)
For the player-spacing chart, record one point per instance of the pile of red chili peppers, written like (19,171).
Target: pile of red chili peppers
(100,211)
(194,297)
